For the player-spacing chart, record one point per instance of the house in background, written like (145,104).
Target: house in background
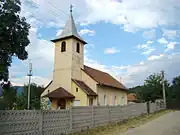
(75,84)
(132,98)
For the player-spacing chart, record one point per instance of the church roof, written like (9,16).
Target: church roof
(59,93)
(103,78)
(69,31)
(85,88)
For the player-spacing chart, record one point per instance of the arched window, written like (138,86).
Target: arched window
(63,46)
(78,48)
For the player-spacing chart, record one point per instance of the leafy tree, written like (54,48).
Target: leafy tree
(153,87)
(13,35)
(173,98)
(176,88)
(35,96)
(8,99)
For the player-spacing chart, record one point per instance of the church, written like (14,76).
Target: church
(75,84)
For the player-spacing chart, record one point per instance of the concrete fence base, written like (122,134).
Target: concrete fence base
(56,122)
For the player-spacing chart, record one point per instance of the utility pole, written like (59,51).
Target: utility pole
(163,86)
(29,85)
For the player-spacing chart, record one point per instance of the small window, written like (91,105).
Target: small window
(78,48)
(63,46)
(115,101)
(90,101)
(76,89)
(122,100)
(105,102)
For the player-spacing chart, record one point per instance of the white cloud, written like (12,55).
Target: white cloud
(170,46)
(162,40)
(41,53)
(146,49)
(151,34)
(143,46)
(141,63)
(34,79)
(136,74)
(87,32)
(111,50)
(169,33)
(133,75)
(131,14)
(149,42)
(155,57)
(58,32)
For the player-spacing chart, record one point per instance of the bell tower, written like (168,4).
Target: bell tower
(69,55)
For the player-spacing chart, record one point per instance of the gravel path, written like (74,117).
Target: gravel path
(168,124)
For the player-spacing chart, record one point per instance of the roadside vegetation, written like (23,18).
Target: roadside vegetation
(151,90)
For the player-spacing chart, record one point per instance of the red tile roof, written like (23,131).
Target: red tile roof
(103,78)
(59,93)
(132,97)
(85,88)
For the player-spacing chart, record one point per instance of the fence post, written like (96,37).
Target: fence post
(109,112)
(93,116)
(148,107)
(70,120)
(41,122)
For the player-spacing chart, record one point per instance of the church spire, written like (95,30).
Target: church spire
(70,29)
(71,6)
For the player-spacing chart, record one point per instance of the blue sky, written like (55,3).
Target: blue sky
(129,39)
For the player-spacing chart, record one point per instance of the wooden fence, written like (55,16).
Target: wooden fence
(56,122)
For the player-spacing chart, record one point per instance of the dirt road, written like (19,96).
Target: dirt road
(168,124)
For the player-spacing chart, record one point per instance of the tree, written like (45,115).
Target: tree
(153,87)
(173,98)
(35,97)
(176,88)
(14,33)
(138,90)
(8,99)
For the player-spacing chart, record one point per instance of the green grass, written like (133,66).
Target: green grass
(113,129)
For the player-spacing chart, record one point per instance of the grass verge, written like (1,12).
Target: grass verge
(113,129)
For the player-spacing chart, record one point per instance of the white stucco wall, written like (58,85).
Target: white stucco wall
(89,81)
(110,96)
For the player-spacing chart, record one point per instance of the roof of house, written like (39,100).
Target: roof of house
(103,78)
(59,93)
(69,31)
(85,88)
(48,84)
(132,97)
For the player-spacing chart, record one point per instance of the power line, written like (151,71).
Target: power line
(52,12)
(57,8)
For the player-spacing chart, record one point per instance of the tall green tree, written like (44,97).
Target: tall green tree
(13,35)
(176,88)
(153,87)
(174,93)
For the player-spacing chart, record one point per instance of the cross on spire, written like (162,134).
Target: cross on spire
(71,6)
